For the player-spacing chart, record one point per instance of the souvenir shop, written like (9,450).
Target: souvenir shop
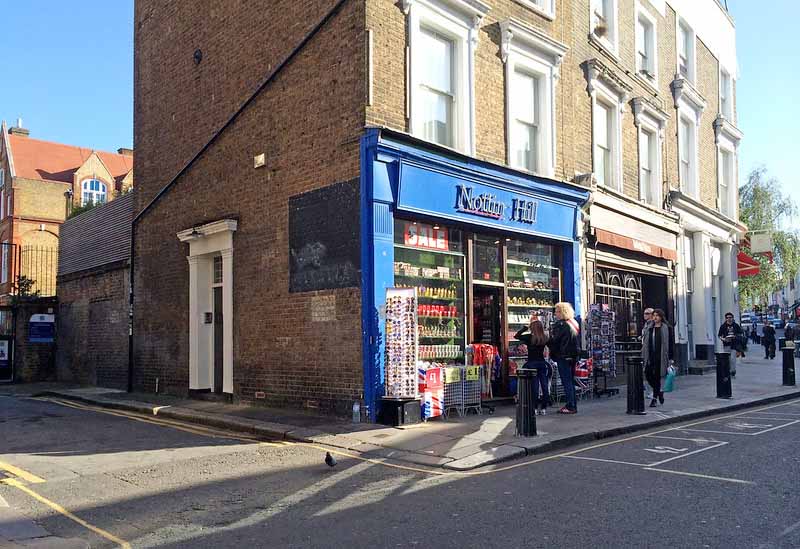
(474,248)
(630,268)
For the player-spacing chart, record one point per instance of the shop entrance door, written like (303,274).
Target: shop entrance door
(486,315)
(218,338)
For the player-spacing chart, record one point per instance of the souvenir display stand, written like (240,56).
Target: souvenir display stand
(601,337)
(400,403)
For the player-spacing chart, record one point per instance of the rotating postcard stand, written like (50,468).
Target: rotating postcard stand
(400,404)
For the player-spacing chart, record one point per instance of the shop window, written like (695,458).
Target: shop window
(441,41)
(533,286)
(486,260)
(532,59)
(686,50)
(93,191)
(430,259)
(646,49)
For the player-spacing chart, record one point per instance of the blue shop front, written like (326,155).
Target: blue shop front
(485,248)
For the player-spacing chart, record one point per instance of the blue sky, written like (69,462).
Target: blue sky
(67,70)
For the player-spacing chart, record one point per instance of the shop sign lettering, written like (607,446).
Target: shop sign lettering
(487,205)
(419,235)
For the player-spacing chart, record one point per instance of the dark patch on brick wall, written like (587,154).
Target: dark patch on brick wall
(324,238)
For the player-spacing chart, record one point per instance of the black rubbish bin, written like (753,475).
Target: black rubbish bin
(635,379)
(526,403)
(788,366)
(724,375)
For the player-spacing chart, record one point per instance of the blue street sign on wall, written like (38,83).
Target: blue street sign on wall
(42,329)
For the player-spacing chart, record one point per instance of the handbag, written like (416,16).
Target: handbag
(669,383)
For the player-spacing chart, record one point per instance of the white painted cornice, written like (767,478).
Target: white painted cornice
(682,89)
(596,71)
(215,227)
(641,107)
(514,32)
(724,128)
(475,9)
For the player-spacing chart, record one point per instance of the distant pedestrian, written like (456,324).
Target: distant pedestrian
(788,333)
(768,340)
(564,347)
(648,321)
(755,332)
(729,333)
(658,351)
(536,341)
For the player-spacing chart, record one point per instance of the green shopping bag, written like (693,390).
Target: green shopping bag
(669,384)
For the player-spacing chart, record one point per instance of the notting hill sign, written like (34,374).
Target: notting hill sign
(486,204)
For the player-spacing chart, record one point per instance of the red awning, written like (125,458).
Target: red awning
(633,244)
(746,265)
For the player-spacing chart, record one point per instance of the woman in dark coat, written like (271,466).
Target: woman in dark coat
(536,341)
(657,353)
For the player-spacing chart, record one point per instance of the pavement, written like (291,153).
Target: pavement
(457,443)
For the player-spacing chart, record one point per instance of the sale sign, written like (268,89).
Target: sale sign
(433,379)
(419,235)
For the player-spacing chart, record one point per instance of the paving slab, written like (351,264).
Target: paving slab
(486,457)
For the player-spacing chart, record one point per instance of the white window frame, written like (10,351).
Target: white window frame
(727,205)
(648,119)
(616,104)
(2,204)
(691,55)
(727,138)
(545,8)
(531,51)
(460,22)
(2,176)
(642,14)
(725,90)
(610,40)
(690,184)
(103,192)
(4,270)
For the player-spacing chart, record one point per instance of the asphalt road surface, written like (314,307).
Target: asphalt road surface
(112,479)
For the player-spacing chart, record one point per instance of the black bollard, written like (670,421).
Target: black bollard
(788,366)
(724,375)
(526,403)
(635,378)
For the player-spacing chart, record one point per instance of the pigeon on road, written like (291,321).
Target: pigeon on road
(330,461)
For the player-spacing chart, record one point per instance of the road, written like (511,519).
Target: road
(111,478)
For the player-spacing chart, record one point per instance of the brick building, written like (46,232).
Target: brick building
(40,183)
(576,150)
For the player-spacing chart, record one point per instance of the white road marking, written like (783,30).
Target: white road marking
(687,454)
(739,432)
(698,475)
(665,450)
(698,440)
(776,414)
(790,529)
(608,461)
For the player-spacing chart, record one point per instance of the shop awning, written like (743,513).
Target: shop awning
(746,265)
(633,244)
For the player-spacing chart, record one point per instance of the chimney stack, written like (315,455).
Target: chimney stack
(19,130)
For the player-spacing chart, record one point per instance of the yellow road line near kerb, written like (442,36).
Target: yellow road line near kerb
(56,507)
(17,472)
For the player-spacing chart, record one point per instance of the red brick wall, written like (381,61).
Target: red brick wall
(308,124)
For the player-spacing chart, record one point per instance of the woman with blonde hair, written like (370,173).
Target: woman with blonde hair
(564,346)
(536,340)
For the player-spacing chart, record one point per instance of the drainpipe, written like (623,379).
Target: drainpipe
(267,81)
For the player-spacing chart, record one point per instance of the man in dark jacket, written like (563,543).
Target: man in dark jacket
(768,340)
(730,334)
